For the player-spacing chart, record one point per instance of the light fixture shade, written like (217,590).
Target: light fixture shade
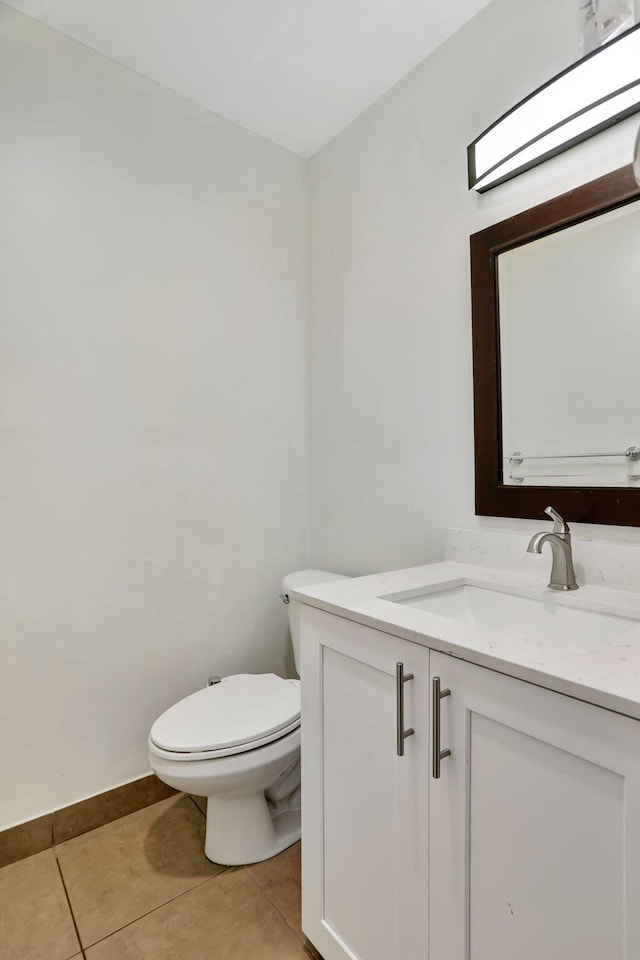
(593,94)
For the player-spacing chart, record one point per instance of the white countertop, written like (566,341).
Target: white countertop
(607,674)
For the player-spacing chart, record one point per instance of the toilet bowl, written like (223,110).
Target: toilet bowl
(237,742)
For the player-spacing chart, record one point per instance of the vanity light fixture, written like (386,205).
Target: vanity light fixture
(593,94)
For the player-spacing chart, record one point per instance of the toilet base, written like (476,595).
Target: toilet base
(248,829)
(253,798)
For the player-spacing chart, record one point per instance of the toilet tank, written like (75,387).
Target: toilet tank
(293,581)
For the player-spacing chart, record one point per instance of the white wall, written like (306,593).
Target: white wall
(153,294)
(153,475)
(391,215)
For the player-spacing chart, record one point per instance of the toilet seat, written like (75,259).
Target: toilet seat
(241,713)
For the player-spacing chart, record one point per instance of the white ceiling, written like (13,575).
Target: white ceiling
(294,71)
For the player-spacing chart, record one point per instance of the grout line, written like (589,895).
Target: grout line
(73,919)
(197,806)
(275,906)
(159,907)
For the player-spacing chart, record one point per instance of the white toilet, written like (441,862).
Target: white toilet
(237,742)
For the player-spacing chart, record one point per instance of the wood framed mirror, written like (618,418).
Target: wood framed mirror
(555,360)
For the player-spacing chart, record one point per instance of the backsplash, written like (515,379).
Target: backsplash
(597,562)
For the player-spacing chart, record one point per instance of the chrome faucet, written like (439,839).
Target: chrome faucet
(562,573)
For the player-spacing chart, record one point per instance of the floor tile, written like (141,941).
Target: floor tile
(201,803)
(279,878)
(121,871)
(35,920)
(227,918)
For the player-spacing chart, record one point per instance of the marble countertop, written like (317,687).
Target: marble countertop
(606,674)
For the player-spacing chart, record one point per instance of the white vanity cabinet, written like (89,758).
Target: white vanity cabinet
(528,844)
(535,824)
(365,809)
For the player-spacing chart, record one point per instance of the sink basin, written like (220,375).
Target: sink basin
(524,618)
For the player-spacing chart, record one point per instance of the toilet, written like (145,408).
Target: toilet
(237,742)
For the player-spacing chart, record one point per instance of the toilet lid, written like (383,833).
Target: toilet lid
(239,710)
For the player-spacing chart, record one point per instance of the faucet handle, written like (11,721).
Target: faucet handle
(559,525)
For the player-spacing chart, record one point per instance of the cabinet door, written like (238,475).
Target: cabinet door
(534,836)
(365,812)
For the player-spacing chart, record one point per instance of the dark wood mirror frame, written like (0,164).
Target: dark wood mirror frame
(620,505)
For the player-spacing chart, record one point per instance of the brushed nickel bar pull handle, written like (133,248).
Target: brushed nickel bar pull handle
(401,733)
(437,753)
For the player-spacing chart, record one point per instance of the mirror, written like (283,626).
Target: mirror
(556,300)
(569,351)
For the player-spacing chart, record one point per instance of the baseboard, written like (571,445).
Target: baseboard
(37,835)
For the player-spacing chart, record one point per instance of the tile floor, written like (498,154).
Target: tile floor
(140,888)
